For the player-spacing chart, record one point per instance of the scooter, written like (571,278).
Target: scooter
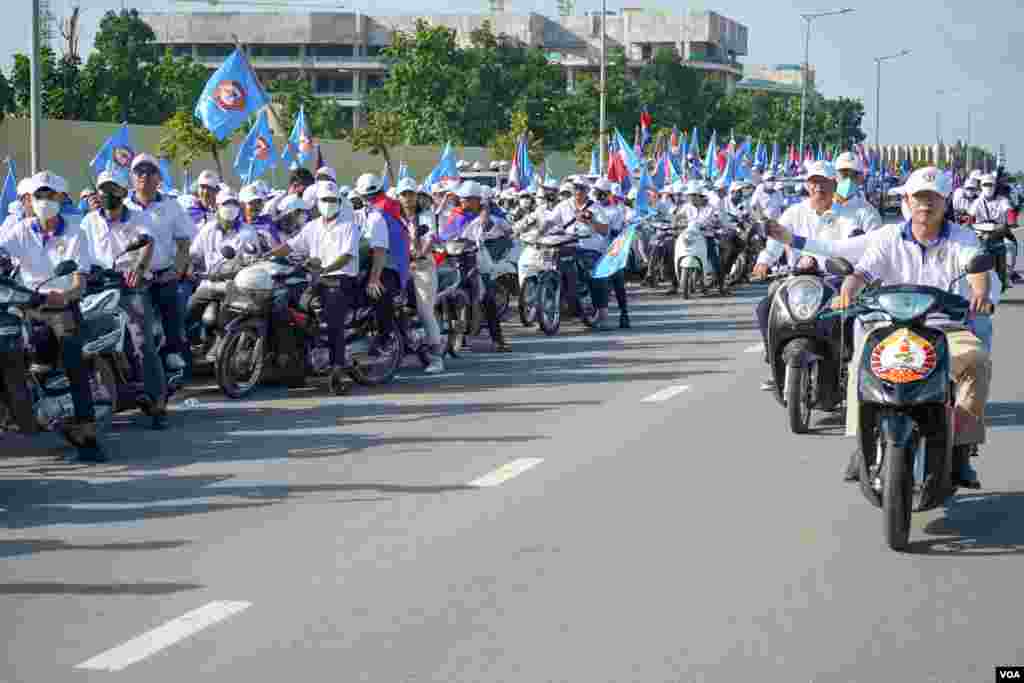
(543,280)
(909,458)
(691,259)
(660,250)
(452,308)
(504,269)
(808,356)
(35,395)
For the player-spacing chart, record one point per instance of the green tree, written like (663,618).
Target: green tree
(383,130)
(125,63)
(185,139)
(325,117)
(179,81)
(503,145)
(6,97)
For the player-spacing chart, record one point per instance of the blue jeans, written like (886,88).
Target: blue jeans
(981,326)
(138,306)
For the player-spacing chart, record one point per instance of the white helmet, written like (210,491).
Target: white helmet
(291,202)
(694,187)
(368,184)
(406,185)
(566,187)
(720,184)
(476,166)
(470,188)
(972,184)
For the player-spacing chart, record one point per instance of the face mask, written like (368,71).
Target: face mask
(45,209)
(111,201)
(228,213)
(328,209)
(989,192)
(846,188)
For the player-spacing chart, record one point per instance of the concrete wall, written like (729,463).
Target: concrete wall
(69,146)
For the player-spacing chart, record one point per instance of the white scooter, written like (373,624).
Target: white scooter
(503,269)
(691,257)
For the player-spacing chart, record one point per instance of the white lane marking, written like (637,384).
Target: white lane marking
(151,642)
(509,470)
(756,348)
(666,394)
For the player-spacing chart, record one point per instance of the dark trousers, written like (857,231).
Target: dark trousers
(586,259)
(618,283)
(384,306)
(137,304)
(168,304)
(488,302)
(337,294)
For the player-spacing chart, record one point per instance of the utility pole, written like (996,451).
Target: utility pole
(34,89)
(604,47)
(878,114)
(808,18)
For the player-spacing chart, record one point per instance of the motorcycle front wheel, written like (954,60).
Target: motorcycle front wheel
(104,392)
(527,302)
(381,370)
(241,362)
(549,307)
(457,311)
(17,398)
(504,291)
(897,497)
(798,398)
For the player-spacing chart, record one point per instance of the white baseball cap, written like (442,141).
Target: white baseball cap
(291,202)
(929,179)
(327,171)
(469,189)
(325,189)
(206,179)
(407,185)
(822,169)
(144,158)
(119,178)
(226,195)
(988,179)
(847,162)
(249,193)
(603,185)
(48,180)
(24,186)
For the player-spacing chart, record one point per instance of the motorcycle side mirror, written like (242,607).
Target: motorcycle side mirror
(228,252)
(65,268)
(251,248)
(982,263)
(839,266)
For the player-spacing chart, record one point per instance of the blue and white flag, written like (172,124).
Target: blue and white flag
(521,171)
(617,255)
(116,154)
(299,148)
(166,175)
(403,171)
(385,177)
(256,154)
(10,191)
(594,162)
(445,169)
(230,97)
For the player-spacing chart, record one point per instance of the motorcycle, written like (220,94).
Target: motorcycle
(504,268)
(452,308)
(106,287)
(908,455)
(691,257)
(808,356)
(216,287)
(464,255)
(541,280)
(659,248)
(993,238)
(35,395)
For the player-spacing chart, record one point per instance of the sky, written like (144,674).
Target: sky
(967,49)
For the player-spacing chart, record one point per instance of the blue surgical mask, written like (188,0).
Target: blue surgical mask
(846,188)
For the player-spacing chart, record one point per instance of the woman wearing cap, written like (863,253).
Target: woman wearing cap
(40,243)
(109,230)
(423,281)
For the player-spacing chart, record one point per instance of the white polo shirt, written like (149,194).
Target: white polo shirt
(168,223)
(375,230)
(565,213)
(39,255)
(895,257)
(329,242)
(994,210)
(107,240)
(860,212)
(803,221)
(207,245)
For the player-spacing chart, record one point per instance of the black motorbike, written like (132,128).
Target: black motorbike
(216,287)
(662,254)
(909,460)
(35,393)
(807,356)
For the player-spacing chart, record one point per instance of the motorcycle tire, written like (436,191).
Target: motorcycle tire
(424,355)
(527,310)
(549,308)
(686,281)
(382,371)
(226,358)
(458,323)
(104,393)
(897,497)
(476,320)
(18,399)
(503,294)
(798,399)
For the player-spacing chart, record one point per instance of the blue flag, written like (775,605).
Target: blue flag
(166,176)
(385,177)
(710,165)
(643,206)
(617,255)
(10,191)
(595,162)
(403,171)
(256,153)
(521,172)
(230,97)
(116,153)
(445,168)
(299,148)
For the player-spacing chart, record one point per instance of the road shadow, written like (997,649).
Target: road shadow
(977,525)
(54,588)
(29,546)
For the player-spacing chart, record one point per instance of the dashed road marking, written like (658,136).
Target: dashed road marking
(162,637)
(509,470)
(666,394)
(756,348)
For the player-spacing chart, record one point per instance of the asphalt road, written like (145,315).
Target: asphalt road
(523,517)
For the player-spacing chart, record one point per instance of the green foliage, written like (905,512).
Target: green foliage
(326,118)
(503,146)
(185,139)
(383,130)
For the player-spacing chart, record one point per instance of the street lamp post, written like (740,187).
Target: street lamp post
(808,18)
(878,110)
(600,132)
(35,113)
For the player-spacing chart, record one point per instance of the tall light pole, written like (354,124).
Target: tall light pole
(604,46)
(808,18)
(878,110)
(34,84)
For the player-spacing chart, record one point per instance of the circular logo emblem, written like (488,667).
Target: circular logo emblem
(123,156)
(262,148)
(229,96)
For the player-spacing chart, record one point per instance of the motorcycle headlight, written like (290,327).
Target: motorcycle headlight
(804,297)
(905,305)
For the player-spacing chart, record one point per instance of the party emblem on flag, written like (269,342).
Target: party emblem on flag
(229,96)
(305,144)
(123,156)
(262,148)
